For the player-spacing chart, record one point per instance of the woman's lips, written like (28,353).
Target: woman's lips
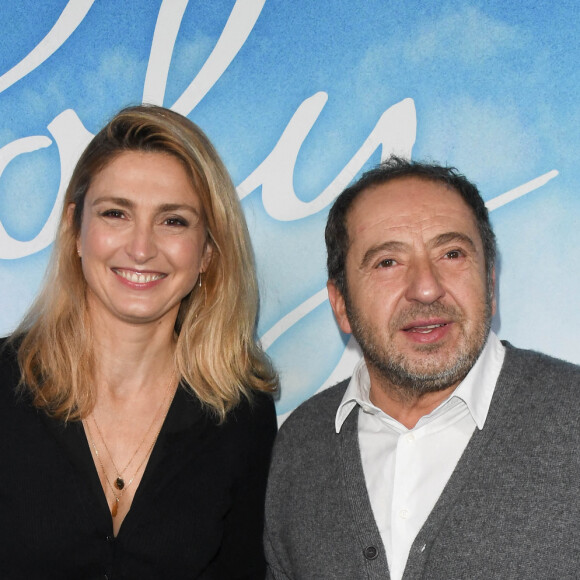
(136,277)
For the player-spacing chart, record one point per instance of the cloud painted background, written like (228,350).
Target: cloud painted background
(299,97)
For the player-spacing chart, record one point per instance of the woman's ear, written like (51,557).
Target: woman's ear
(70,215)
(207,254)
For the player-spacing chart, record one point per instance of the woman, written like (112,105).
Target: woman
(135,423)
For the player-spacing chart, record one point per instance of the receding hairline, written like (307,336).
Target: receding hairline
(397,178)
(359,198)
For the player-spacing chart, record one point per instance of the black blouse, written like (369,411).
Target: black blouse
(197,513)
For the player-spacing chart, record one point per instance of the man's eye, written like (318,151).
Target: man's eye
(453,254)
(386,263)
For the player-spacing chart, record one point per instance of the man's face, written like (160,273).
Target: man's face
(417,299)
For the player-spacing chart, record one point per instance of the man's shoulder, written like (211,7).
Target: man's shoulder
(317,413)
(309,430)
(306,448)
(537,363)
(539,386)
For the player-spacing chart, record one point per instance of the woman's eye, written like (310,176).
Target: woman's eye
(113,213)
(174,221)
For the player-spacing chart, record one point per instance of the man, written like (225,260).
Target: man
(448,454)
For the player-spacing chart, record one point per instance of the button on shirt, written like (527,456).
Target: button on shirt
(406,469)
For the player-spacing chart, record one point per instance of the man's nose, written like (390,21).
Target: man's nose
(423,282)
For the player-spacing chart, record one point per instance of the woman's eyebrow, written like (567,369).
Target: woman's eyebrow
(122,201)
(178,206)
(129,204)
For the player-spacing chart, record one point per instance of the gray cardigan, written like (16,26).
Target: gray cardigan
(511,508)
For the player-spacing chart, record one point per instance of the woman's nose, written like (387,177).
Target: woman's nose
(141,245)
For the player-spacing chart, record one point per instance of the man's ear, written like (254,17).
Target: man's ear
(492,290)
(338,307)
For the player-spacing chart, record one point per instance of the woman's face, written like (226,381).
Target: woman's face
(143,241)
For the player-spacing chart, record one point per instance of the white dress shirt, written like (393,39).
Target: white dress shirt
(407,469)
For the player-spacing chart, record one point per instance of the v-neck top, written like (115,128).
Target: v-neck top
(197,513)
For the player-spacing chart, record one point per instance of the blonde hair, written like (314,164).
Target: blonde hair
(216,352)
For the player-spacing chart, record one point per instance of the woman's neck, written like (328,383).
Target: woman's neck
(133,358)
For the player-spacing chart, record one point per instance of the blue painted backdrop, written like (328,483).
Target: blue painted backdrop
(299,97)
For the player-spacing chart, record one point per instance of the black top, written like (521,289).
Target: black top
(197,513)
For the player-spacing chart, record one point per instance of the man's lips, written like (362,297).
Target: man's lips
(137,277)
(425,326)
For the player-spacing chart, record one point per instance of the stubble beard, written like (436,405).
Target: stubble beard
(409,377)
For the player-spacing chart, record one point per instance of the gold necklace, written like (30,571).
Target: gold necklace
(119,483)
(117,498)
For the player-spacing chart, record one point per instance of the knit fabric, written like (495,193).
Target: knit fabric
(510,510)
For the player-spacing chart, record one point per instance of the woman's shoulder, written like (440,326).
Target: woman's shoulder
(256,407)
(9,358)
(9,369)
(253,419)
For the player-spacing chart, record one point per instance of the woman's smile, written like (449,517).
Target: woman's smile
(138,277)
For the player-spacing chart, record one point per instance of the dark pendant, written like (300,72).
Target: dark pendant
(119,483)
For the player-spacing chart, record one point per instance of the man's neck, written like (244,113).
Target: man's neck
(401,404)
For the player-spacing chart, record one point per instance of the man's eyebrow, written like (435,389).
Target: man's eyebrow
(391,246)
(394,246)
(451,237)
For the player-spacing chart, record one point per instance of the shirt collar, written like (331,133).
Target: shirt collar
(476,389)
